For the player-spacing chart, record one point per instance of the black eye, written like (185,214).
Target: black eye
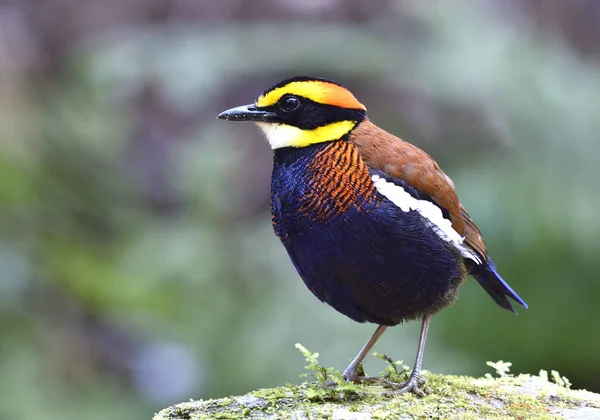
(289,103)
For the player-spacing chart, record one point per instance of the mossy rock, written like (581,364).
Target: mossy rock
(448,397)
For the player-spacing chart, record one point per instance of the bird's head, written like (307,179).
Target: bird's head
(302,111)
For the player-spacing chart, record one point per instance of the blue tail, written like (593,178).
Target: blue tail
(497,288)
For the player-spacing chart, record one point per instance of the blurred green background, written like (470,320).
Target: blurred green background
(138,265)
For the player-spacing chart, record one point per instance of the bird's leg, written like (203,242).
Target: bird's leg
(414,379)
(351,373)
(411,385)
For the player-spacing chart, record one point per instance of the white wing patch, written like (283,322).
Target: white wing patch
(432,213)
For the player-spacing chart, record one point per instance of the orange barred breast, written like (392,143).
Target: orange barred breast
(339,182)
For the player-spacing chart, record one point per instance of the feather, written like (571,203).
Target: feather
(399,159)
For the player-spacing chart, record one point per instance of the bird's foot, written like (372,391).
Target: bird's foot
(412,385)
(355,374)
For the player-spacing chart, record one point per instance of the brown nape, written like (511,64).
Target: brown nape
(399,159)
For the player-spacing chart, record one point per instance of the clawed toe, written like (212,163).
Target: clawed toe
(355,377)
(412,385)
(352,375)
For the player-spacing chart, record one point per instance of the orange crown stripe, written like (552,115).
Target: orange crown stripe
(315,90)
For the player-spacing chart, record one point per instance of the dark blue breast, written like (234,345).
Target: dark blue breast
(354,249)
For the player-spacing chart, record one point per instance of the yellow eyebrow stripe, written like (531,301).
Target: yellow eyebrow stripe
(315,90)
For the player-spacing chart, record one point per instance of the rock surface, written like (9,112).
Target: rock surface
(449,397)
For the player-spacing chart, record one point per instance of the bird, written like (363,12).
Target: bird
(372,224)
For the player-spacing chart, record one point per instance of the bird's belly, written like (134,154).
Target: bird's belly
(372,263)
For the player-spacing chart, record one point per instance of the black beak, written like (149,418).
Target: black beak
(247,113)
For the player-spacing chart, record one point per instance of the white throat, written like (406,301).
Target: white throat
(280,135)
(283,135)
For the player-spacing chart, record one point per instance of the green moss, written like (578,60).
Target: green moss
(448,396)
